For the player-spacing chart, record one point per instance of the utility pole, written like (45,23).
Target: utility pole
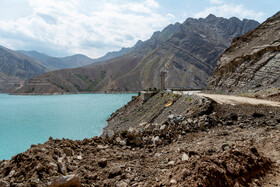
(224,84)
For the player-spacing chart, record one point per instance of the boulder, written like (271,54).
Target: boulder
(123,142)
(171,116)
(67,181)
(185,173)
(138,141)
(4,183)
(121,184)
(173,181)
(115,171)
(155,139)
(68,151)
(102,163)
(39,167)
(101,147)
(163,129)
(34,181)
(185,157)
(171,163)
(61,166)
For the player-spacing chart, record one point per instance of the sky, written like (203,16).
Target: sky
(94,27)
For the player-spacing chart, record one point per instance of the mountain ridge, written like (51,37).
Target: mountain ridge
(189,50)
(41,61)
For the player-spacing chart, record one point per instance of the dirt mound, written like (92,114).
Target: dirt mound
(92,162)
(235,167)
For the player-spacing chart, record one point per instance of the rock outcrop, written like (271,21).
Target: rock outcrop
(252,62)
(189,51)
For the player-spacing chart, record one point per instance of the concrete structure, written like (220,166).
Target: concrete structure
(162,80)
(145,95)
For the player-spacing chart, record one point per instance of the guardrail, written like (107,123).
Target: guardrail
(186,89)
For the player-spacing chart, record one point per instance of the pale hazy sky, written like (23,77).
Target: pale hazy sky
(95,27)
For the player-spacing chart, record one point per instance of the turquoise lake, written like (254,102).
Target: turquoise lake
(27,120)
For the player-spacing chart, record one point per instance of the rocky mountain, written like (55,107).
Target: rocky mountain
(74,61)
(52,62)
(15,67)
(18,66)
(55,63)
(188,51)
(114,54)
(252,62)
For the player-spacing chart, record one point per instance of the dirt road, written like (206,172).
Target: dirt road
(233,100)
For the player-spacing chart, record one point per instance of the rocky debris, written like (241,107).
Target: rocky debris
(154,112)
(4,184)
(237,166)
(69,180)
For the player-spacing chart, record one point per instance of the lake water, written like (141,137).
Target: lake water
(27,120)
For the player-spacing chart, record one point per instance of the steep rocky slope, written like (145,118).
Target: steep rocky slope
(189,52)
(252,62)
(15,67)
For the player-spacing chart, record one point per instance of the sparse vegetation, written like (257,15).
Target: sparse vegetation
(91,84)
(82,77)
(30,91)
(103,74)
(124,119)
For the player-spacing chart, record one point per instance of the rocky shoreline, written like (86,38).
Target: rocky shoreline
(199,143)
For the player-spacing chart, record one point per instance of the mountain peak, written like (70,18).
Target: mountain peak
(211,16)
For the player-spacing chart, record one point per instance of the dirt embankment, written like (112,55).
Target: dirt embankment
(155,110)
(200,143)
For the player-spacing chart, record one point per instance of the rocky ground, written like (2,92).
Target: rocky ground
(210,144)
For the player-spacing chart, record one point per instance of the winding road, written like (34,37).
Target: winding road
(234,100)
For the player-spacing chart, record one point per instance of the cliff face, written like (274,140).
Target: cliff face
(189,52)
(252,62)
